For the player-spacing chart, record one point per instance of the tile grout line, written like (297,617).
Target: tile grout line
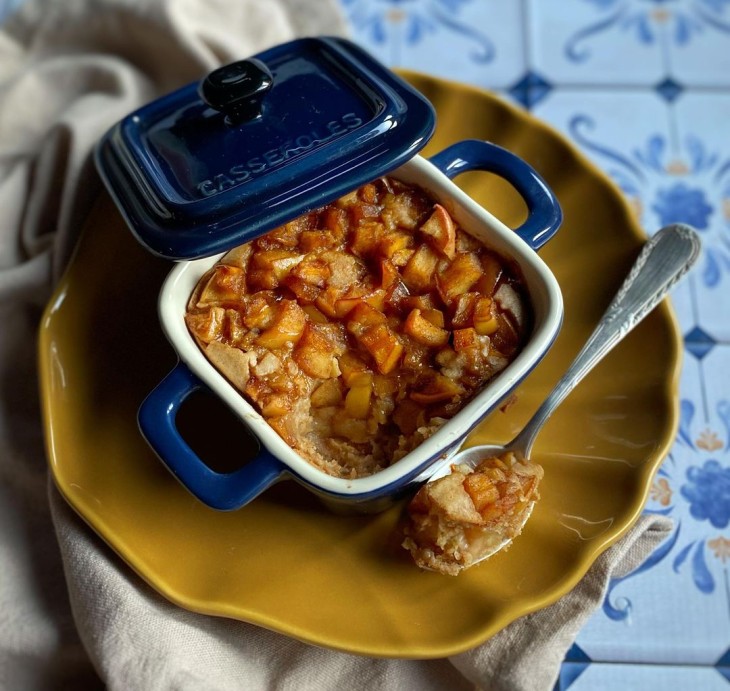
(712,89)
(526,42)
(697,665)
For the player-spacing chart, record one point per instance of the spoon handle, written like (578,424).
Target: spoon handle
(662,262)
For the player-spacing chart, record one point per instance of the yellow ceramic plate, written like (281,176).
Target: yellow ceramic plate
(285,562)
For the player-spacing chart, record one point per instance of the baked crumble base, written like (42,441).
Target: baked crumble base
(358,329)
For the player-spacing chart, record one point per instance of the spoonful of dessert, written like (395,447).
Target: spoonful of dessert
(479,503)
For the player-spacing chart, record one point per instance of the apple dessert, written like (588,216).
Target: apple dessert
(466,516)
(358,329)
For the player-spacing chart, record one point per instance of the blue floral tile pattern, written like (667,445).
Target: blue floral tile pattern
(651,21)
(578,40)
(412,22)
(702,59)
(479,40)
(586,42)
(707,490)
(626,677)
(670,171)
(702,122)
(640,621)
(641,87)
(679,203)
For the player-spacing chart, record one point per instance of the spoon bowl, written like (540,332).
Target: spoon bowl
(662,262)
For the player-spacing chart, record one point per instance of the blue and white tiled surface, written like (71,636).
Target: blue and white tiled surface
(643,88)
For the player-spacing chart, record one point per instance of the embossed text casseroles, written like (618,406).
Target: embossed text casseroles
(271,143)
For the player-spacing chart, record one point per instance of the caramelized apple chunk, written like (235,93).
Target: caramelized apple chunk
(225,285)
(314,355)
(424,330)
(458,520)
(418,273)
(441,231)
(327,394)
(206,325)
(358,328)
(460,275)
(384,346)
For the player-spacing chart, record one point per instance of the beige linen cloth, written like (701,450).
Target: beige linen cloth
(72,615)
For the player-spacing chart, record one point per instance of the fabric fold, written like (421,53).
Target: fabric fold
(139,640)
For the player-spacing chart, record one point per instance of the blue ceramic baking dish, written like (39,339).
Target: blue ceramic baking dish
(258,143)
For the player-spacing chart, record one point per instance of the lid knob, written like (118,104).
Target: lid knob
(238,89)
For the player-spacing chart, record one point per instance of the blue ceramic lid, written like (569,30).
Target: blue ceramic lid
(257,143)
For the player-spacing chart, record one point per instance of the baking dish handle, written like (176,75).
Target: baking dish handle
(223,491)
(543,211)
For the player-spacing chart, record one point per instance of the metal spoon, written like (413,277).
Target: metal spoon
(662,262)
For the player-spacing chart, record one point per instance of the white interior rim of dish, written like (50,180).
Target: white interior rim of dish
(547,307)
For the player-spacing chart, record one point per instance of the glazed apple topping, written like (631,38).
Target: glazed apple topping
(358,329)
(470,514)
